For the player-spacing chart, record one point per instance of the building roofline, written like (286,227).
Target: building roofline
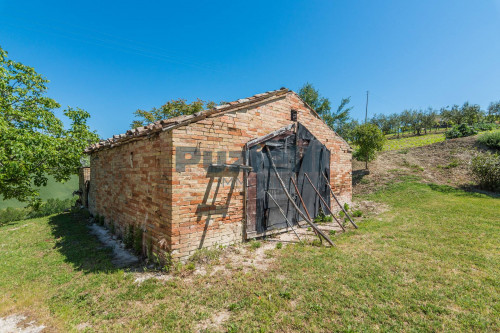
(172,123)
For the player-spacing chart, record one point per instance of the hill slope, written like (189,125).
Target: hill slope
(53,190)
(443,163)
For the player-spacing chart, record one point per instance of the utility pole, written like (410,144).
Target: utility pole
(366,110)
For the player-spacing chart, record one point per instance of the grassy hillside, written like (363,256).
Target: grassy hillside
(428,263)
(414,141)
(53,190)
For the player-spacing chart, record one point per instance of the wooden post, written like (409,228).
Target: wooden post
(283,213)
(303,204)
(326,205)
(335,197)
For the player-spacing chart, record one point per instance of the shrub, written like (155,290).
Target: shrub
(51,206)
(205,256)
(322,218)
(491,139)
(460,131)
(255,245)
(10,214)
(357,213)
(485,168)
(138,240)
(485,126)
(279,245)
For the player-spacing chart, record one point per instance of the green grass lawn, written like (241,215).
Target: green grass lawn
(429,263)
(414,141)
(53,190)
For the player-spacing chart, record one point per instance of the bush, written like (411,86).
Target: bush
(485,126)
(357,213)
(491,139)
(255,245)
(10,214)
(485,168)
(51,206)
(460,131)
(138,233)
(205,256)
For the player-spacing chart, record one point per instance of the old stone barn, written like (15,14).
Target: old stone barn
(206,179)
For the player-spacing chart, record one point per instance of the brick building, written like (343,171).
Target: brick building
(192,181)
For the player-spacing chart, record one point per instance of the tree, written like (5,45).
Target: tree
(429,119)
(311,96)
(173,108)
(407,119)
(494,111)
(395,123)
(382,122)
(472,113)
(369,139)
(467,114)
(347,131)
(336,120)
(33,141)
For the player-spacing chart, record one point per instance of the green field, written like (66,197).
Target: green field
(429,263)
(53,190)
(414,141)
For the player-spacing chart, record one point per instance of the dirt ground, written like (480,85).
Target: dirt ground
(445,163)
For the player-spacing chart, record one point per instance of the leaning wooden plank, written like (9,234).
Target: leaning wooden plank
(293,202)
(323,200)
(341,207)
(304,205)
(283,213)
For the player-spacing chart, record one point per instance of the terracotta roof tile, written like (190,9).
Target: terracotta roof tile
(168,124)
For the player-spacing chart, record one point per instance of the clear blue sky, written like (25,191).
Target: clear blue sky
(114,57)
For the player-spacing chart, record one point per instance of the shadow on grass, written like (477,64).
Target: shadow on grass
(80,248)
(357,176)
(465,190)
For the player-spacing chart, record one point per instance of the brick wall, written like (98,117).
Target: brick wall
(208,211)
(130,186)
(155,184)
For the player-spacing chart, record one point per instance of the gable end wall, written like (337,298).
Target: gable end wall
(210,211)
